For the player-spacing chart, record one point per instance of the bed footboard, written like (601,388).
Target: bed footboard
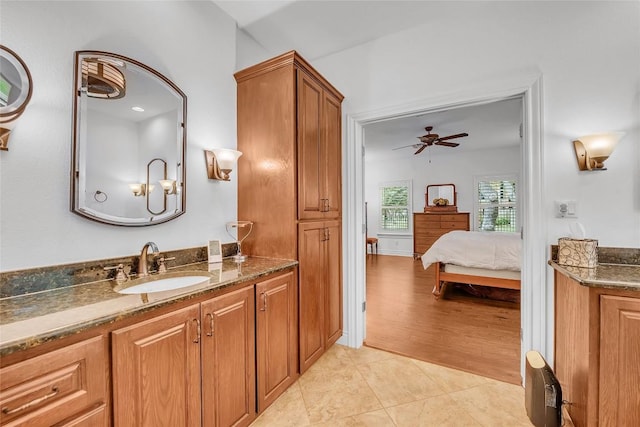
(496,282)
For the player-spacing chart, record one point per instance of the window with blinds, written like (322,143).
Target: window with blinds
(395,207)
(496,204)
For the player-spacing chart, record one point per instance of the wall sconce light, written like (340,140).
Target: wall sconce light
(138,189)
(168,185)
(593,150)
(220,162)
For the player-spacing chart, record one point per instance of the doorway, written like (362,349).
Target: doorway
(535,333)
(402,314)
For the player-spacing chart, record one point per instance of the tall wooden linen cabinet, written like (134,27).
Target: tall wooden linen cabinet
(289,185)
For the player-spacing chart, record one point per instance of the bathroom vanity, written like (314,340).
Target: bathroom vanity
(597,339)
(216,353)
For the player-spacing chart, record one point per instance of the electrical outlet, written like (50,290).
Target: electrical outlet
(566,209)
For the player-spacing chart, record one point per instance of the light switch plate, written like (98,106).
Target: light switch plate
(566,209)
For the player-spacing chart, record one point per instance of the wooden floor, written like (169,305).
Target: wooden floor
(459,331)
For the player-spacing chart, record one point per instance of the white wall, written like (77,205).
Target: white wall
(589,56)
(191,43)
(459,169)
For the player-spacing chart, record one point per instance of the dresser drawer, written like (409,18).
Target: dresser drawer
(453,225)
(453,217)
(429,234)
(52,387)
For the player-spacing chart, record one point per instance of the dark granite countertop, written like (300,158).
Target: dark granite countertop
(34,318)
(614,276)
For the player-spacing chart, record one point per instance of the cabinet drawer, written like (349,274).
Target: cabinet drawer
(429,234)
(94,417)
(429,225)
(453,225)
(457,217)
(54,386)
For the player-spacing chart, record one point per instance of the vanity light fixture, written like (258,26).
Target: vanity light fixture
(169,186)
(220,162)
(138,189)
(102,78)
(593,150)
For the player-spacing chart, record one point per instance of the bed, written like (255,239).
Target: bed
(475,258)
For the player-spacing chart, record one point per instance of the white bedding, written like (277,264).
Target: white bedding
(479,249)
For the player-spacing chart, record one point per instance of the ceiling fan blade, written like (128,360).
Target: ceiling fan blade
(405,146)
(420,149)
(458,135)
(447,144)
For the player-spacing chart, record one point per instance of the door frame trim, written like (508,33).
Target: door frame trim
(536,332)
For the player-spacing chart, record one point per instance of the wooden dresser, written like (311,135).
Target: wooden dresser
(427,227)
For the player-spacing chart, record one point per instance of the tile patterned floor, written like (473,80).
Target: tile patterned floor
(369,387)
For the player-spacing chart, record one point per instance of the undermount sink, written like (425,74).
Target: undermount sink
(163,282)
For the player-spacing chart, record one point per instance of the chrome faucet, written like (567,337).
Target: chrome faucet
(142,263)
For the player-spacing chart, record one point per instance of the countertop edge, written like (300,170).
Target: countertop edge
(582,275)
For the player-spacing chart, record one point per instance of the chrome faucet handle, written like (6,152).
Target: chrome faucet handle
(121,275)
(162,268)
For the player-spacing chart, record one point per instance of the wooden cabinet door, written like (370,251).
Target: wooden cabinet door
(331,155)
(228,359)
(312,274)
(619,361)
(311,200)
(333,290)
(276,337)
(156,371)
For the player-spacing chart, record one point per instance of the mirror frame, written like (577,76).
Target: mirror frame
(11,112)
(455,195)
(75,172)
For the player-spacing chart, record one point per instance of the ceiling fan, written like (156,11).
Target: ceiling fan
(434,139)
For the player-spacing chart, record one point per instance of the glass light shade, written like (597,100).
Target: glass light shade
(168,185)
(137,189)
(226,157)
(601,144)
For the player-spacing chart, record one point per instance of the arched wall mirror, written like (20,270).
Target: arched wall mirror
(129,143)
(16,88)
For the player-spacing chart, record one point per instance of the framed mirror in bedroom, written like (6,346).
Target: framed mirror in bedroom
(440,198)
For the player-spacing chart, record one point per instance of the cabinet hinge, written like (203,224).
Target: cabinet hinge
(364,306)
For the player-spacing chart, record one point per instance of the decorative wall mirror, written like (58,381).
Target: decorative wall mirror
(441,197)
(16,88)
(129,142)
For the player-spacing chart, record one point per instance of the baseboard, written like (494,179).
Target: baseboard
(394,253)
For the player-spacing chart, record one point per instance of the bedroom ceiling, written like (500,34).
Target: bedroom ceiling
(490,126)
